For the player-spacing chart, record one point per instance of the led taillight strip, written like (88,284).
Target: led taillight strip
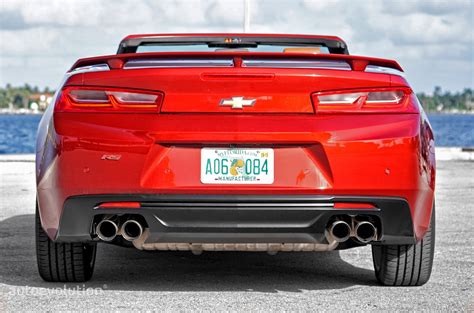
(375,100)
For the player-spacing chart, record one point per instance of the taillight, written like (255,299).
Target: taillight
(372,100)
(86,99)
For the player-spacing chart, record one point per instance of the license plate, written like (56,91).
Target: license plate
(237,166)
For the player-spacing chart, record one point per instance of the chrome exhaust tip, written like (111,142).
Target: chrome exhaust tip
(106,230)
(131,230)
(340,231)
(365,232)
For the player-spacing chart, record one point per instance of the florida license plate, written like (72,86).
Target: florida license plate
(237,166)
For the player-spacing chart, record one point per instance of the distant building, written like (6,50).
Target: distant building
(42,100)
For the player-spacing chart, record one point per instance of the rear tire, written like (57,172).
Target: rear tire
(406,265)
(63,262)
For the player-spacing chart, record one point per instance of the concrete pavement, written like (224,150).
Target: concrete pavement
(127,278)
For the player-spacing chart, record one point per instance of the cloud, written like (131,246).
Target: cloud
(431,7)
(424,36)
(12,20)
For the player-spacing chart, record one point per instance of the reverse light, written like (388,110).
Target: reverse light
(87,97)
(83,99)
(374,100)
(132,97)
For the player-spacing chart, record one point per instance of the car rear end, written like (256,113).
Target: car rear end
(241,142)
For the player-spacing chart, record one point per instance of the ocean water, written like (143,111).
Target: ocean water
(18,132)
(453,130)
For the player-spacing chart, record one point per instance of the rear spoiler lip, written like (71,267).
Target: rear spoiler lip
(225,35)
(334,44)
(357,63)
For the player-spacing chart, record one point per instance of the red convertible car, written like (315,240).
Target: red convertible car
(235,142)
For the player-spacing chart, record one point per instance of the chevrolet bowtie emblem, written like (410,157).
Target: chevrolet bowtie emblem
(238,102)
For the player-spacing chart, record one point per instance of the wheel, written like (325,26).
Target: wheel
(406,265)
(63,262)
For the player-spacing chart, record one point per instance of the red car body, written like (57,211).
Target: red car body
(96,161)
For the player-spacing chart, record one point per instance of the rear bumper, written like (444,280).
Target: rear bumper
(237,218)
(382,155)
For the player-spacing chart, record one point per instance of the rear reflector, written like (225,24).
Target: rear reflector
(373,100)
(115,205)
(348,205)
(83,99)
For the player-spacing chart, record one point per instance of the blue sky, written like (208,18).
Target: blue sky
(432,40)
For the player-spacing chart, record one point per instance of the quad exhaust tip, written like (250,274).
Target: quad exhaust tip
(340,231)
(107,230)
(131,230)
(365,232)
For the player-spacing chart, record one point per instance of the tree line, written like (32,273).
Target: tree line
(447,101)
(21,97)
(439,100)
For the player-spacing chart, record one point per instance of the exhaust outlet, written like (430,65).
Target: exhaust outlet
(106,230)
(365,232)
(131,230)
(340,231)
